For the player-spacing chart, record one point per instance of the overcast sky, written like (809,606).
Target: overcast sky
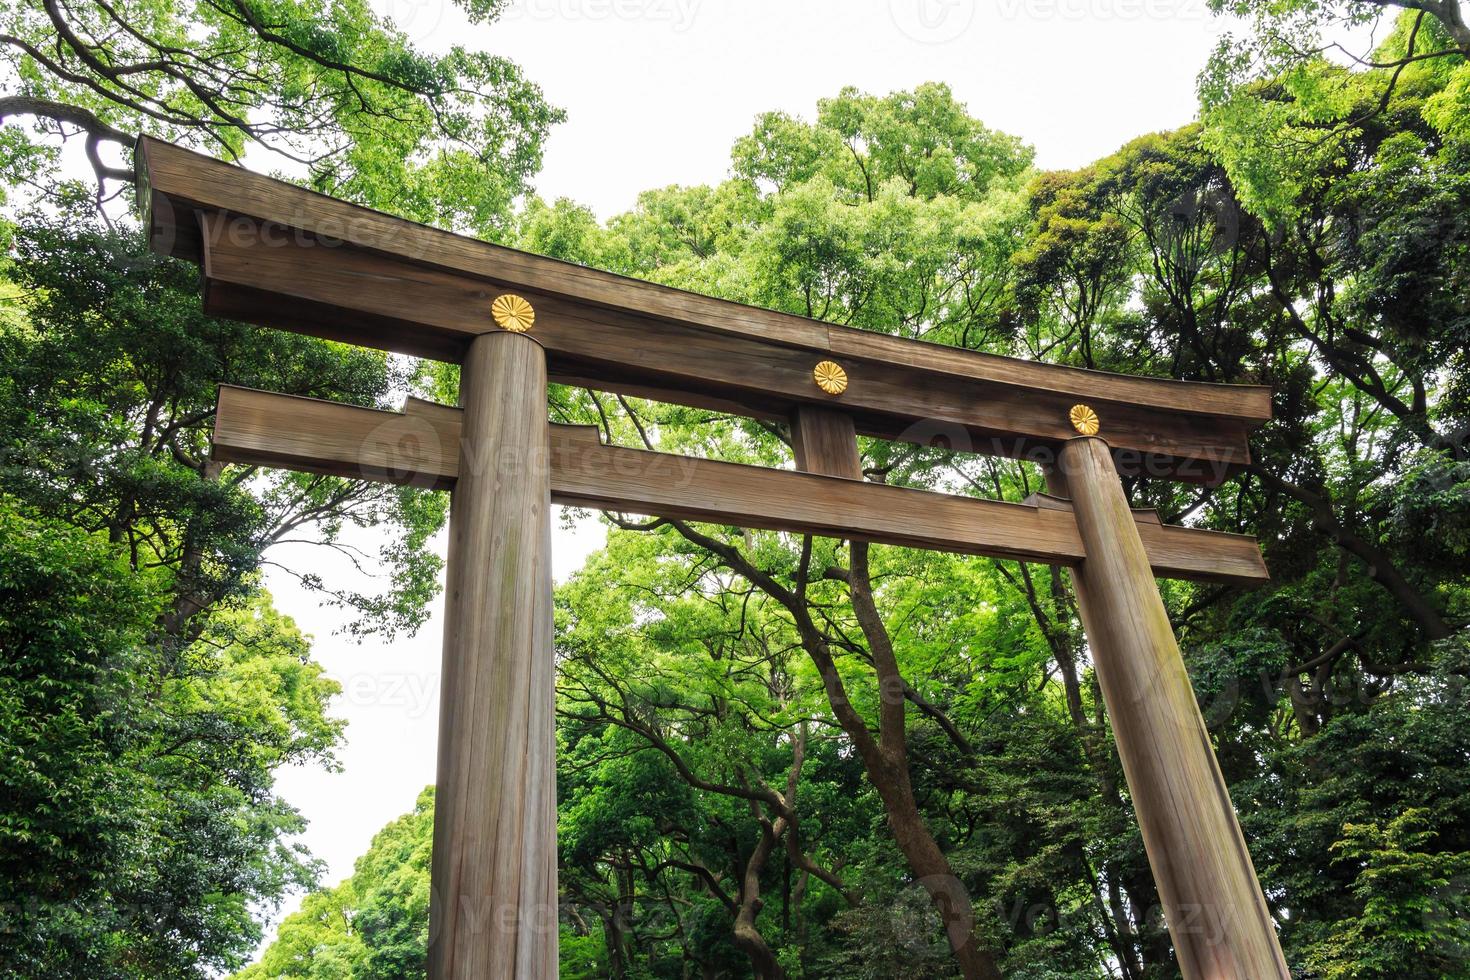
(655,93)
(656,90)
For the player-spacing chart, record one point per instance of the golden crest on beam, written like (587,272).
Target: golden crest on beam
(830,377)
(513,313)
(1085,420)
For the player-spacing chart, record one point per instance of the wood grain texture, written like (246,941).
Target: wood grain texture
(174,183)
(493,906)
(344,293)
(898,383)
(422,447)
(1213,905)
(825,442)
(1143,515)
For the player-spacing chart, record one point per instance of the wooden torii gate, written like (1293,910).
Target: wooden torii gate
(277,255)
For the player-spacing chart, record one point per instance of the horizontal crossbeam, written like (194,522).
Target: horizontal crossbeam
(279,255)
(422,447)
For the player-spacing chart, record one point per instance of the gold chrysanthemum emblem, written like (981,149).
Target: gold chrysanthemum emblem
(830,377)
(513,313)
(1085,420)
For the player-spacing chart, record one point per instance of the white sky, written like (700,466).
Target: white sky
(655,92)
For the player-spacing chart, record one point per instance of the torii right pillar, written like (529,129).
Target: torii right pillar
(1213,904)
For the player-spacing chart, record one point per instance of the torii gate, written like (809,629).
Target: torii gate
(277,255)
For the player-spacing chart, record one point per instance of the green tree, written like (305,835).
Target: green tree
(375,924)
(329,88)
(138,826)
(108,371)
(1345,293)
(1280,101)
(716,714)
(110,376)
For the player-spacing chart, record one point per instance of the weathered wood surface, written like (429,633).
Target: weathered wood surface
(824,441)
(361,297)
(493,898)
(1143,515)
(1213,904)
(378,280)
(422,447)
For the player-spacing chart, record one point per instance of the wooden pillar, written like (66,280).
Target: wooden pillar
(1212,900)
(493,899)
(825,442)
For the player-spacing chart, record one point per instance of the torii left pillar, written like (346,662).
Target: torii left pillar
(493,898)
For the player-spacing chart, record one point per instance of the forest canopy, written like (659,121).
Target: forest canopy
(736,795)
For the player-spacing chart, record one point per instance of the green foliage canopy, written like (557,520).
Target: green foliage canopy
(337,93)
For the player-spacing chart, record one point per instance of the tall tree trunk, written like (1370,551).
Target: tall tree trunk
(887,764)
(747,935)
(885,758)
(950,898)
(612,937)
